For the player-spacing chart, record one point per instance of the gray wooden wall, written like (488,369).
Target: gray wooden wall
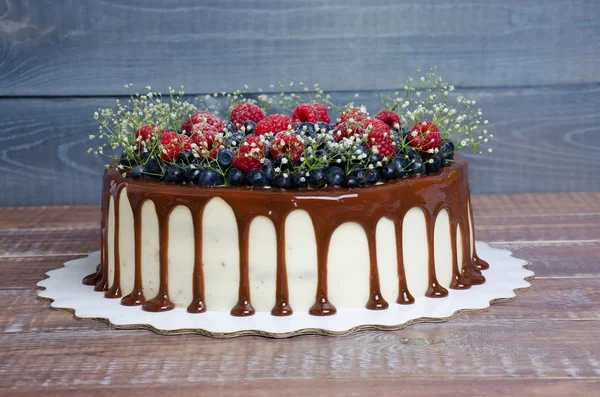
(533,66)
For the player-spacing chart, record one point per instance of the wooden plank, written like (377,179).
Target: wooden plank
(357,387)
(49,165)
(92,48)
(439,350)
(54,242)
(547,300)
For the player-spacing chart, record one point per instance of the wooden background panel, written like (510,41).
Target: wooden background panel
(545,140)
(73,47)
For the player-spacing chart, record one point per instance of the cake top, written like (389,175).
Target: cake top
(289,140)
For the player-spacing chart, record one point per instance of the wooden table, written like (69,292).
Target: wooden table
(543,343)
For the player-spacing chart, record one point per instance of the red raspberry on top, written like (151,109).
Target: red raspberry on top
(273,124)
(202,116)
(349,124)
(288,144)
(250,155)
(305,113)
(322,112)
(246,112)
(390,118)
(426,137)
(310,113)
(172,144)
(379,138)
(146,133)
(208,140)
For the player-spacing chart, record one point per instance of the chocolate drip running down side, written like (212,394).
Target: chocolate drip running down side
(328,209)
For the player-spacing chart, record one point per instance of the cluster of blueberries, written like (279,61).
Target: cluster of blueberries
(360,168)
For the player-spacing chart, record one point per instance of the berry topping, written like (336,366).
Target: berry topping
(202,116)
(379,138)
(273,124)
(322,112)
(256,178)
(235,177)
(426,137)
(390,118)
(174,174)
(317,179)
(251,155)
(304,113)
(208,140)
(145,134)
(246,112)
(335,176)
(350,123)
(209,177)
(172,144)
(287,144)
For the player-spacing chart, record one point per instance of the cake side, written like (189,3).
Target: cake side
(370,247)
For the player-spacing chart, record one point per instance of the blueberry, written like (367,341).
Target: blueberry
(375,158)
(192,174)
(361,178)
(350,182)
(154,167)
(225,158)
(249,127)
(447,150)
(356,169)
(416,166)
(372,176)
(234,140)
(282,181)
(230,127)
(124,160)
(335,176)
(256,178)
(317,179)
(299,180)
(283,162)
(388,172)
(137,171)
(305,129)
(185,157)
(235,177)
(323,127)
(358,152)
(401,164)
(210,177)
(174,174)
(434,164)
(268,169)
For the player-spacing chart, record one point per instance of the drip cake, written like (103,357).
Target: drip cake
(263,211)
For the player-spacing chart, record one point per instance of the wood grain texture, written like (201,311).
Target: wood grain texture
(43,144)
(492,387)
(541,344)
(74,47)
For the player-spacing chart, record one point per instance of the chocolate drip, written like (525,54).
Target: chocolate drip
(115,290)
(136,297)
(328,209)
(404,296)
(197,305)
(282,306)
(376,301)
(102,284)
(94,278)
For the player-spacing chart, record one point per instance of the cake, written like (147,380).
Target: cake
(280,214)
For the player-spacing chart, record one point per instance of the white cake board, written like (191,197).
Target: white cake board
(505,276)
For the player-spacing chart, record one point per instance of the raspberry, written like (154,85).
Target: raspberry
(349,124)
(273,124)
(202,116)
(250,155)
(390,118)
(246,112)
(426,137)
(305,113)
(288,144)
(208,139)
(146,133)
(322,112)
(172,144)
(379,138)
